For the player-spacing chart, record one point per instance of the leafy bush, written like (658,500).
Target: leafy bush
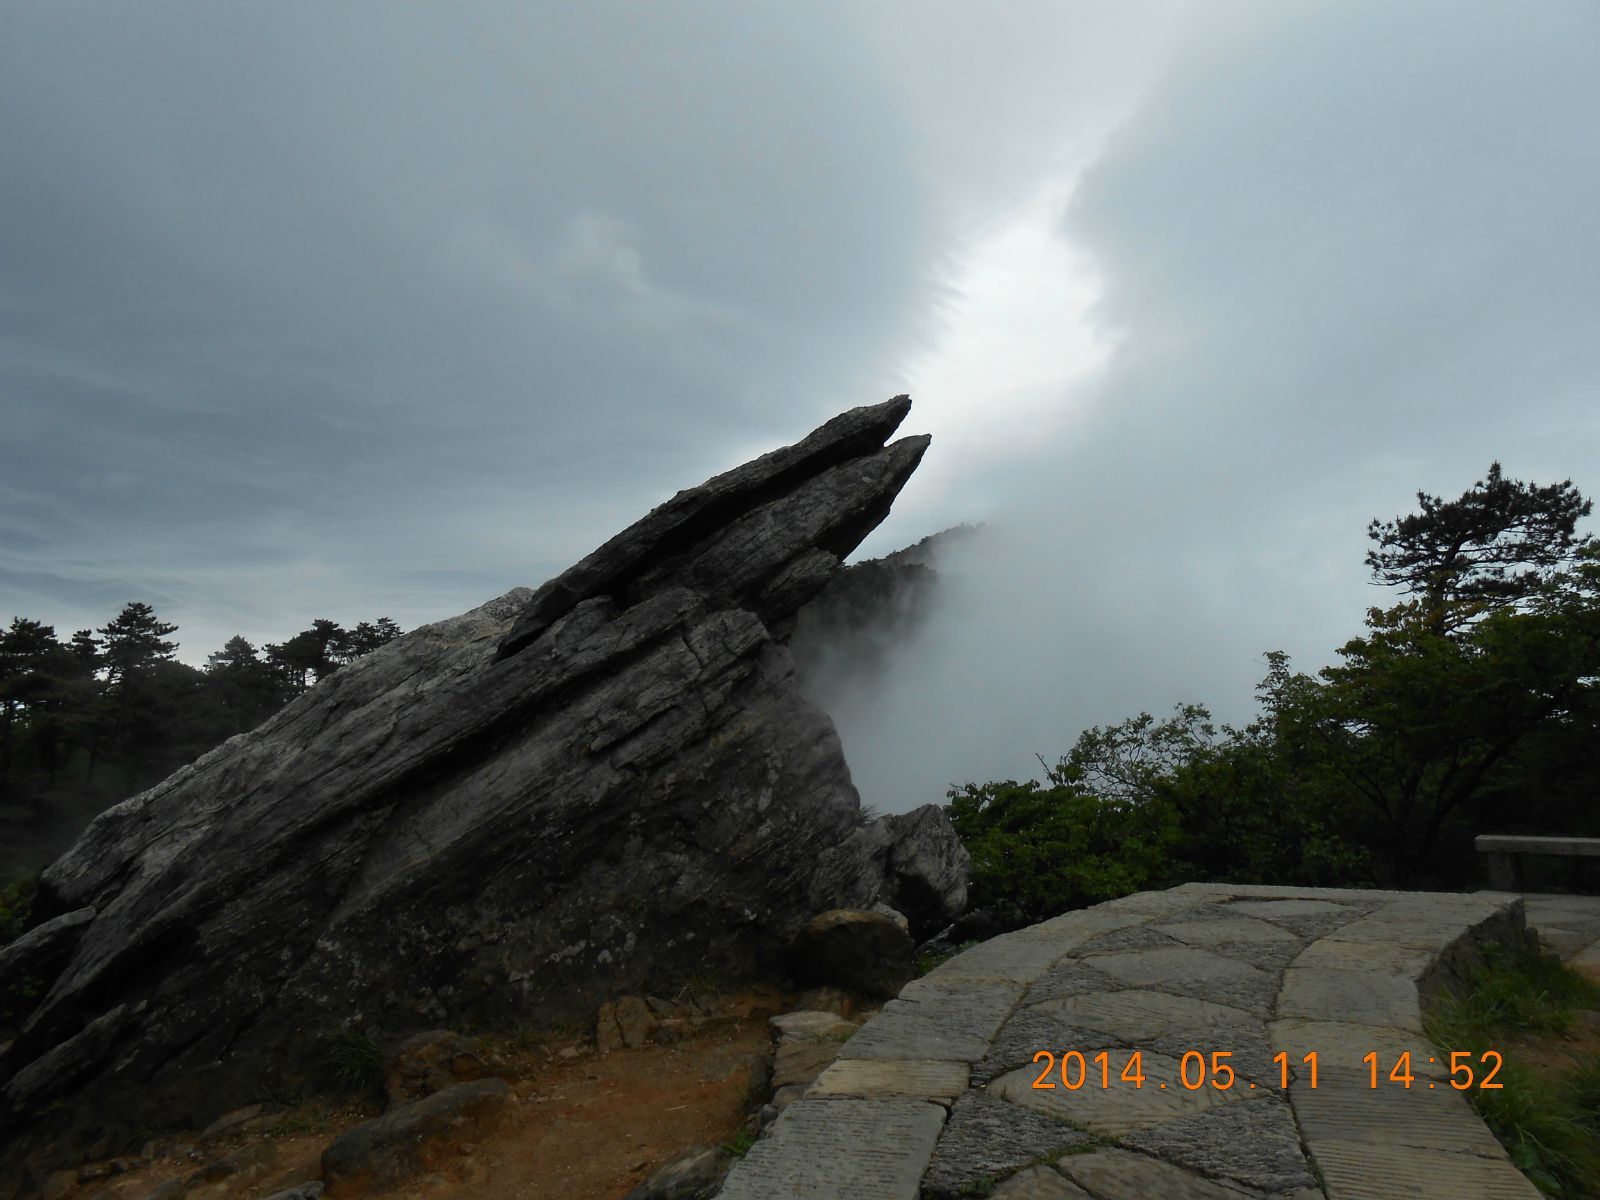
(1038,851)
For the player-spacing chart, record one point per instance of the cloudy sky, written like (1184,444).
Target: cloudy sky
(381,309)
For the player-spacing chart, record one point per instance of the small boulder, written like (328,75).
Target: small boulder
(828,999)
(686,1177)
(625,1022)
(927,868)
(856,949)
(810,1027)
(785,1096)
(607,1033)
(894,914)
(245,1161)
(796,1064)
(407,1141)
(311,1190)
(979,925)
(635,1021)
(758,1080)
(232,1122)
(55,1186)
(429,1062)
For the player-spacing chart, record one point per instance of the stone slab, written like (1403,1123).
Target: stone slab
(1269,956)
(799,1062)
(1245,1045)
(808,1025)
(840,1148)
(1363,1171)
(1268,891)
(938,1081)
(1564,942)
(1189,971)
(1070,977)
(1030,1030)
(1322,994)
(988,1139)
(933,1019)
(1423,930)
(1151,968)
(1154,904)
(1082,923)
(1383,958)
(1119,1109)
(1019,957)
(1563,847)
(1122,1175)
(1254,1143)
(1587,959)
(1040,1183)
(1545,907)
(1341,1046)
(1271,910)
(1224,929)
(1140,1016)
(1132,937)
(1429,1115)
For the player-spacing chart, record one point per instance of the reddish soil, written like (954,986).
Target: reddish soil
(582,1127)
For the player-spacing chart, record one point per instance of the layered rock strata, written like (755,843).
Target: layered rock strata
(512,815)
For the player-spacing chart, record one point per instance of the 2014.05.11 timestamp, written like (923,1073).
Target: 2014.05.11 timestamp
(1197,1070)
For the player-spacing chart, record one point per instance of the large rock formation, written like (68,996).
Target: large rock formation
(514,814)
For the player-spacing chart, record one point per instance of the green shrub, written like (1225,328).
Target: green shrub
(1039,851)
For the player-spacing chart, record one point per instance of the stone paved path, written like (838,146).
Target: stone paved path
(935,1097)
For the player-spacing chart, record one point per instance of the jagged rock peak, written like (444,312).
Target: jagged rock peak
(507,817)
(676,536)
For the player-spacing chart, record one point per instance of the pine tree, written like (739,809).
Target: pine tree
(135,641)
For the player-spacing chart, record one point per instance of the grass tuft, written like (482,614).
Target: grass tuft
(356,1063)
(1551,1131)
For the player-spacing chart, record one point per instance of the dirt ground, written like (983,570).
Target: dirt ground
(583,1126)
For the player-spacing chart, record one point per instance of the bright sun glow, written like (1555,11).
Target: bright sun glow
(1014,341)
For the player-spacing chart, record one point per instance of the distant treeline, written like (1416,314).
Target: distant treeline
(93,719)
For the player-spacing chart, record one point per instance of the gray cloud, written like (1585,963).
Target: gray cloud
(339,288)
(377,308)
(1345,252)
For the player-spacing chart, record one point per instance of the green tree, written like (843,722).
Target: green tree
(368,636)
(134,641)
(311,655)
(1499,544)
(244,689)
(1243,813)
(26,648)
(1435,711)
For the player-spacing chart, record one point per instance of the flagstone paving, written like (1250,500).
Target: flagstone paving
(1224,993)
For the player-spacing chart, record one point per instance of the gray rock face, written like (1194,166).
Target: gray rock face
(28,964)
(926,869)
(515,814)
